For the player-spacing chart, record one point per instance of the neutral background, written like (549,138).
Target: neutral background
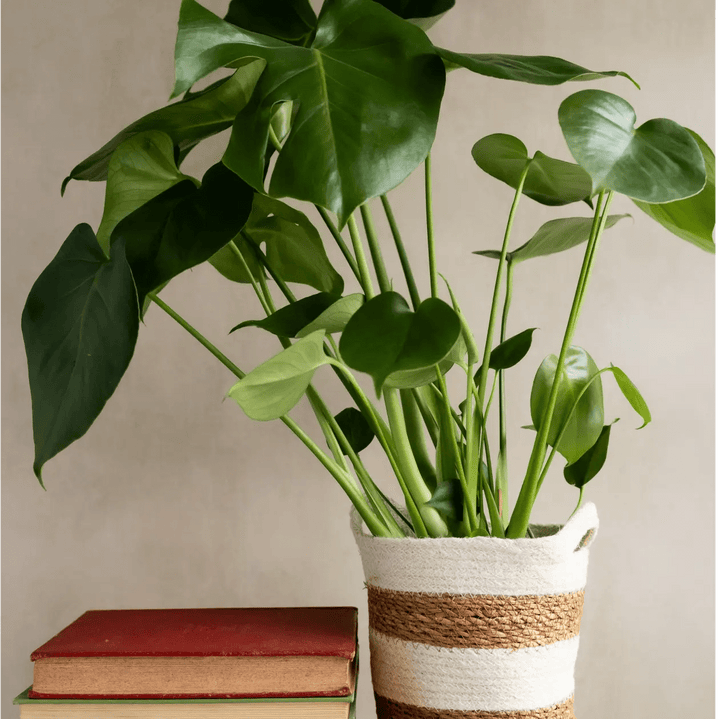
(176,499)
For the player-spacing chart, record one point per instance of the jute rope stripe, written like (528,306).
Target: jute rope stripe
(388,709)
(475,621)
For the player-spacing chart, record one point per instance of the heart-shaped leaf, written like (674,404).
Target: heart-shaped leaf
(657,162)
(508,353)
(586,421)
(293,245)
(141,167)
(289,320)
(355,428)
(335,317)
(273,388)
(423,13)
(548,181)
(580,472)
(692,219)
(385,336)
(197,116)
(535,69)
(79,325)
(554,236)
(632,395)
(289,20)
(367,91)
(183,226)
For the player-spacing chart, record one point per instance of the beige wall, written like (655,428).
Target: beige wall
(175,498)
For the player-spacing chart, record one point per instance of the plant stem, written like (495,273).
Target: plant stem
(402,254)
(419,491)
(482,382)
(236,251)
(365,281)
(521,514)
(374,245)
(430,229)
(274,139)
(340,241)
(501,483)
(374,524)
(287,292)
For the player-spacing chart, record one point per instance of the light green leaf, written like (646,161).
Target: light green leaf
(586,421)
(273,388)
(632,395)
(335,317)
(657,162)
(140,168)
(692,219)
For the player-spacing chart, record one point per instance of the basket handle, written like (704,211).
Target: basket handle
(581,529)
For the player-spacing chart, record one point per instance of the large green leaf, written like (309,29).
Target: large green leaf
(230,266)
(79,325)
(289,320)
(580,472)
(385,336)
(293,245)
(141,167)
(657,162)
(355,428)
(367,92)
(335,317)
(692,219)
(535,69)
(586,421)
(554,236)
(197,116)
(549,181)
(273,388)
(423,13)
(183,226)
(289,20)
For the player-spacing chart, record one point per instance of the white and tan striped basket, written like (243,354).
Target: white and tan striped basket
(480,627)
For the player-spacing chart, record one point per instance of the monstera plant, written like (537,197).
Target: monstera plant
(332,111)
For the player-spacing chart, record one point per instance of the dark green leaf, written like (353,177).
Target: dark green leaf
(554,236)
(289,20)
(535,69)
(586,421)
(692,219)
(447,499)
(273,388)
(289,320)
(580,472)
(423,13)
(657,162)
(385,336)
(356,428)
(183,226)
(141,167)
(79,325)
(632,395)
(367,91)
(335,317)
(187,122)
(508,353)
(549,181)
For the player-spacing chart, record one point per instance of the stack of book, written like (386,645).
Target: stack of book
(269,663)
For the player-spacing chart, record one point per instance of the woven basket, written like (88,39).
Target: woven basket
(479,627)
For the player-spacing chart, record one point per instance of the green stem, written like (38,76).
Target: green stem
(419,491)
(274,139)
(287,292)
(402,254)
(416,434)
(501,484)
(430,229)
(579,502)
(482,382)
(365,281)
(521,514)
(374,245)
(236,251)
(340,241)
(374,524)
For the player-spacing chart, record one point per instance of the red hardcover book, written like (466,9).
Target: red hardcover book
(197,653)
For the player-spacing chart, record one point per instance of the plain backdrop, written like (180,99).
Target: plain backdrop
(175,499)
